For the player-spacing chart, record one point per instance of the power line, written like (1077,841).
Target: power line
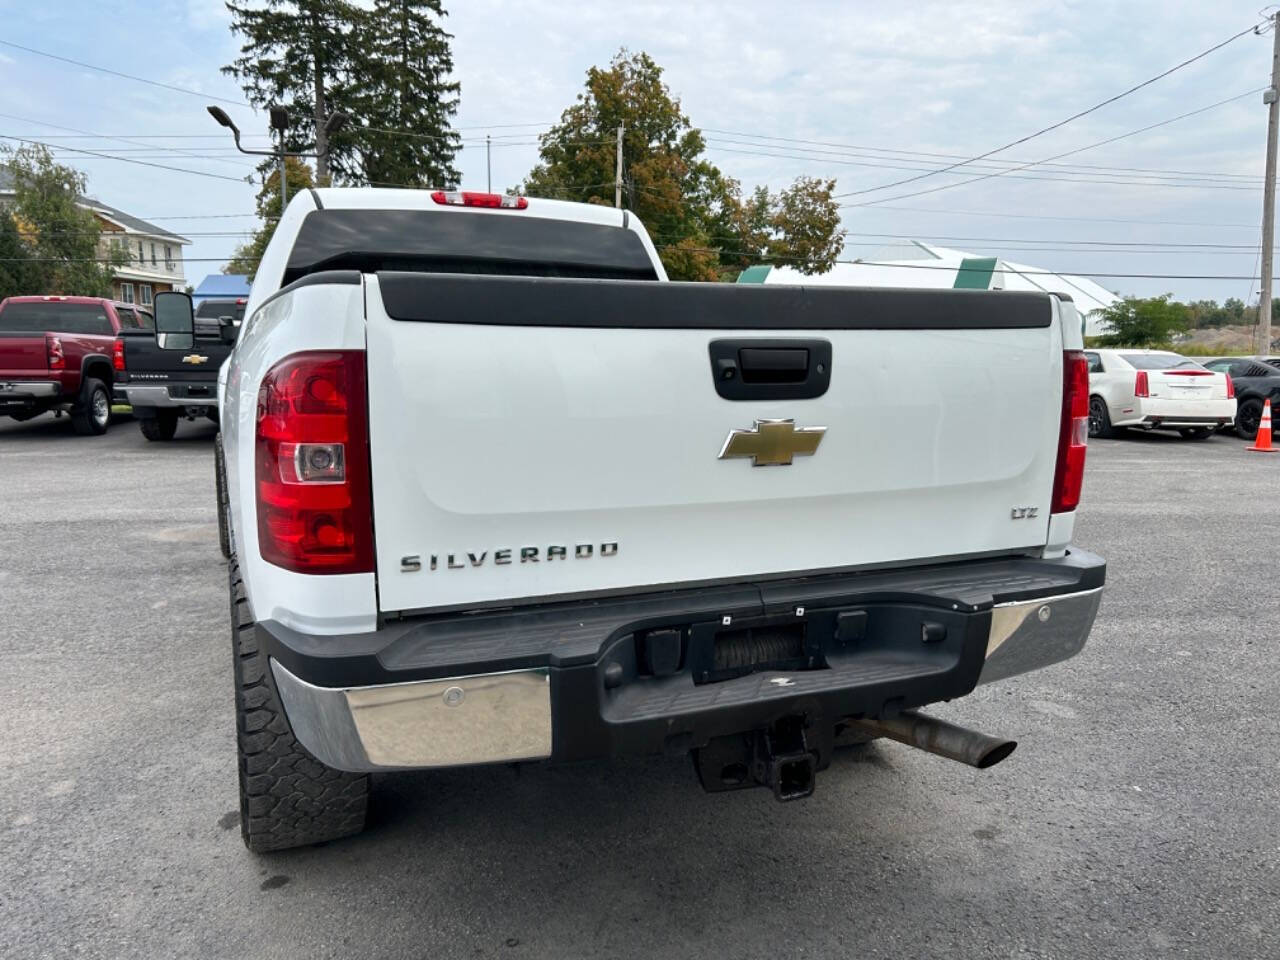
(126,76)
(843,149)
(1062,177)
(1058,156)
(1111,243)
(145,163)
(55,126)
(1043,216)
(1077,169)
(1060,123)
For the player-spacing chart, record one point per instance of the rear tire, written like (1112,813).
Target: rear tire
(160,427)
(1197,433)
(92,414)
(1248,418)
(288,798)
(1099,419)
(220,484)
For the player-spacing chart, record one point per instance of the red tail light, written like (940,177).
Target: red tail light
(1188,373)
(117,354)
(468,198)
(1231,387)
(1073,432)
(314,513)
(56,359)
(1140,386)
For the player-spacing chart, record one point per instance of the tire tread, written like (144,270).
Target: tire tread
(287,797)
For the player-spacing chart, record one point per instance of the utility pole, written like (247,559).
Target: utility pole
(1272,99)
(488,164)
(617,176)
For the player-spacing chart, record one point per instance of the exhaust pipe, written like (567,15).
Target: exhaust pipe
(937,736)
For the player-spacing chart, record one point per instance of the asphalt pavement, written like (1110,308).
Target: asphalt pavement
(1139,817)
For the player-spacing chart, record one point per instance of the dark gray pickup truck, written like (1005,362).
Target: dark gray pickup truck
(167,377)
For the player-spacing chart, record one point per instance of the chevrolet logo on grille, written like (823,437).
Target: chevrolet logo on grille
(772,443)
(194,358)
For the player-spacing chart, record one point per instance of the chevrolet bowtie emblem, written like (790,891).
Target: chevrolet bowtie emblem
(194,358)
(772,443)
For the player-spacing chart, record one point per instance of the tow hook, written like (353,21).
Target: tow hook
(778,758)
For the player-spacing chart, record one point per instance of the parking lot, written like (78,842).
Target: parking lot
(1138,817)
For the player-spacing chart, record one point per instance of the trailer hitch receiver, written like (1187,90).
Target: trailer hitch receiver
(778,758)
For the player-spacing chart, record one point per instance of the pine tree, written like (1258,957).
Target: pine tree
(300,54)
(405,98)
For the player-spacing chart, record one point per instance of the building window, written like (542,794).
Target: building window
(144,290)
(168,256)
(126,292)
(153,254)
(141,258)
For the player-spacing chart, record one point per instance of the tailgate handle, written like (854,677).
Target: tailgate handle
(783,365)
(782,369)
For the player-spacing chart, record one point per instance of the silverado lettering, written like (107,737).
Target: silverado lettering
(581,551)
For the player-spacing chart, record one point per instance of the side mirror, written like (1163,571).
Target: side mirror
(229,329)
(175,321)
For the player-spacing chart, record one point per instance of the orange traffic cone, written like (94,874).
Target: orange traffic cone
(1262,443)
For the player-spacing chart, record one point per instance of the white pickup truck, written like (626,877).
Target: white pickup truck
(493,490)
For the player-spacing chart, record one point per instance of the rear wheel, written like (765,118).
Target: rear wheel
(91,415)
(160,427)
(288,798)
(1099,419)
(1248,418)
(1197,433)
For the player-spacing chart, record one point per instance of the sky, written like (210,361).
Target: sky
(882,91)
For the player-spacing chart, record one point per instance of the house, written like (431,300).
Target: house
(917,264)
(154,253)
(221,286)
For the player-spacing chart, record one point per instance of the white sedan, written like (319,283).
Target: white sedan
(1156,390)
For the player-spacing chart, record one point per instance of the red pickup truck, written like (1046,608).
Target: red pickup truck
(61,353)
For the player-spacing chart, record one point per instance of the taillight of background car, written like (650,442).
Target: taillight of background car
(57,360)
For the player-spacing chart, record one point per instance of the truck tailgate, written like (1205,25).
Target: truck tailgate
(22,353)
(535,438)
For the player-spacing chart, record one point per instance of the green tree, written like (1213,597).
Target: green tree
(1233,307)
(17,273)
(804,223)
(61,239)
(1205,313)
(300,54)
(1143,322)
(404,99)
(247,255)
(702,225)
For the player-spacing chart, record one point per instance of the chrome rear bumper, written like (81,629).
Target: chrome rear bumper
(1031,634)
(28,389)
(154,396)
(488,718)
(508,716)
